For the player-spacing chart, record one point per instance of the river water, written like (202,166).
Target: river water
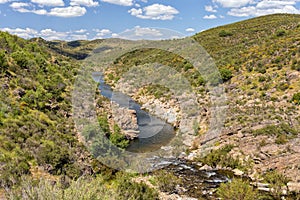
(155,133)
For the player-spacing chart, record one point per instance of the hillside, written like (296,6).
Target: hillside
(259,62)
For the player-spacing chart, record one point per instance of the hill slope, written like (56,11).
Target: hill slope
(259,60)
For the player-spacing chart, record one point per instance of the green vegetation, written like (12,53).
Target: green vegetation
(237,189)
(225,33)
(36,128)
(260,56)
(121,187)
(277,182)
(283,132)
(296,98)
(118,139)
(158,91)
(221,157)
(166,181)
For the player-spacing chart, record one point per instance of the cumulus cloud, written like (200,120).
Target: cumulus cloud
(190,30)
(24,33)
(148,33)
(49,2)
(210,9)
(81,31)
(71,11)
(26,8)
(49,34)
(155,12)
(265,7)
(88,3)
(120,2)
(210,17)
(233,3)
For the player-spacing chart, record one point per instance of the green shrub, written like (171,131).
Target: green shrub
(277,181)
(166,181)
(237,189)
(225,33)
(282,131)
(226,74)
(118,139)
(221,157)
(130,190)
(296,98)
(280,33)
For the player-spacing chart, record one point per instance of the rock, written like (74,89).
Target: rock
(293,75)
(293,186)
(125,118)
(238,172)
(206,167)
(131,134)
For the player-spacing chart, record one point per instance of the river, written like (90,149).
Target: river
(155,133)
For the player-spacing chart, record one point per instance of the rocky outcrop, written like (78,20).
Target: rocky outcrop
(126,119)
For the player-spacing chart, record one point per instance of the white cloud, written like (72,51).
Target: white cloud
(102,32)
(81,31)
(210,17)
(18,5)
(147,33)
(88,3)
(48,2)
(265,7)
(155,12)
(3,1)
(140,32)
(71,11)
(233,3)
(210,9)
(120,2)
(49,34)
(24,33)
(23,8)
(190,30)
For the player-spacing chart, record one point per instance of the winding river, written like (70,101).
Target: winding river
(155,133)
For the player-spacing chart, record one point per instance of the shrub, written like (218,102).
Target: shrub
(296,98)
(276,181)
(237,189)
(283,132)
(221,157)
(118,139)
(166,181)
(224,33)
(130,190)
(226,74)
(280,33)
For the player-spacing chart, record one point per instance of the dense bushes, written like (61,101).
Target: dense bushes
(97,188)
(35,111)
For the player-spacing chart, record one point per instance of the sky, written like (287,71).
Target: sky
(96,19)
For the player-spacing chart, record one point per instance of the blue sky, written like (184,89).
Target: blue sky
(91,19)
